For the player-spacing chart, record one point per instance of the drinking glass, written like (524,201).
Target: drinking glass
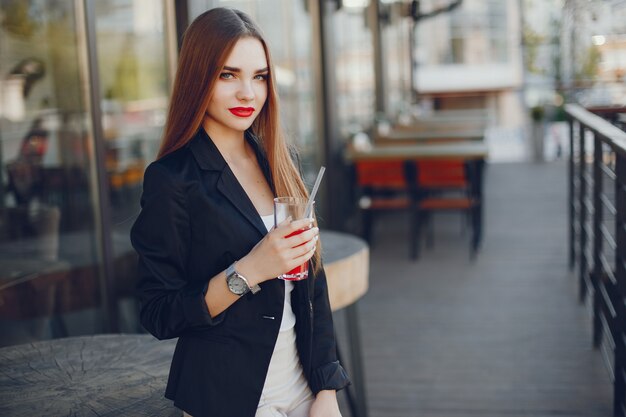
(294,207)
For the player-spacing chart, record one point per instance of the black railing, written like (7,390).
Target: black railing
(597,234)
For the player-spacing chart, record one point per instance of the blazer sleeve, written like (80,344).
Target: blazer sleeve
(327,372)
(171,303)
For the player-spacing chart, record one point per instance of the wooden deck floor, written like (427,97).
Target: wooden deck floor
(501,336)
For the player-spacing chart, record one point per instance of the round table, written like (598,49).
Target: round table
(104,375)
(125,375)
(346,262)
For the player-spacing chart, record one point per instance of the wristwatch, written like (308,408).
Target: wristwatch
(237,283)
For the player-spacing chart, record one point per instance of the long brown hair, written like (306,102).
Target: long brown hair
(206,45)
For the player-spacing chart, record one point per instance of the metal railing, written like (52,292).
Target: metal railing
(597,234)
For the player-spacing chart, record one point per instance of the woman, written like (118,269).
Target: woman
(248,344)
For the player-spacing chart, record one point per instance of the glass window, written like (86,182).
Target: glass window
(397,72)
(49,274)
(132,63)
(474,33)
(50,261)
(353,53)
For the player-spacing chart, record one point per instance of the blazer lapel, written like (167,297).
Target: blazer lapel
(209,158)
(234,192)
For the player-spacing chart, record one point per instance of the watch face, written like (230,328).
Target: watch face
(237,285)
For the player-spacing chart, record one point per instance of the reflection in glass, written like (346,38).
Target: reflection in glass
(49,281)
(50,268)
(353,53)
(397,59)
(132,64)
(474,34)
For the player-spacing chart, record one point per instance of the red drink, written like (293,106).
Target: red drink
(299,272)
(294,208)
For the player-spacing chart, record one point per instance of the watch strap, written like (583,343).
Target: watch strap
(231,270)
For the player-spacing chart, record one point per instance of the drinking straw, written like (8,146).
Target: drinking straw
(309,204)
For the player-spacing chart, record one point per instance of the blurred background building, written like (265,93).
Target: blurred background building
(84,88)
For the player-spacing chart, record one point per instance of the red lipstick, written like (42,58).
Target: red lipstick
(242,111)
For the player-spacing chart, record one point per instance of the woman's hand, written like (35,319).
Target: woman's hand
(325,405)
(276,253)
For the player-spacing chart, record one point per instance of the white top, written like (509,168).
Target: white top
(289,319)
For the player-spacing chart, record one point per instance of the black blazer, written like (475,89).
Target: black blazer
(196,220)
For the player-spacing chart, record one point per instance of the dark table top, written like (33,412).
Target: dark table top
(105,375)
(21,260)
(453,150)
(398,137)
(14,271)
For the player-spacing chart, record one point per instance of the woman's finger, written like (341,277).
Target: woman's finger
(305,248)
(302,237)
(304,257)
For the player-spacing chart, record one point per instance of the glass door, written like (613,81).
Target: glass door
(49,272)
(51,259)
(131,40)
